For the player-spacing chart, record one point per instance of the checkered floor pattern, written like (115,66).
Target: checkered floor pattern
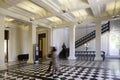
(15,76)
(38,72)
(100,64)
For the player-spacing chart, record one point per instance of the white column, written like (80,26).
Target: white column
(98,41)
(32,42)
(51,36)
(2,54)
(72,42)
(34,33)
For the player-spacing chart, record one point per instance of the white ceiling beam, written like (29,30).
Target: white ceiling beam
(14,15)
(76,23)
(94,7)
(41,24)
(56,11)
(50,6)
(73,23)
(18,16)
(98,6)
(90,20)
(65,16)
(21,11)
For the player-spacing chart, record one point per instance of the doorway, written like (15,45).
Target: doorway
(42,45)
(6,38)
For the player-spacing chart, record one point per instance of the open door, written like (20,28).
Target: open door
(41,44)
(40,47)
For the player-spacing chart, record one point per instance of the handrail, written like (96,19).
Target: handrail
(91,35)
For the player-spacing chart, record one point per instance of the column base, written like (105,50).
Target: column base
(30,61)
(71,57)
(98,58)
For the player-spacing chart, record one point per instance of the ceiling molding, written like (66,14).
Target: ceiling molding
(18,16)
(14,15)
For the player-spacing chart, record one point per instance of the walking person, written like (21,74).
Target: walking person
(53,62)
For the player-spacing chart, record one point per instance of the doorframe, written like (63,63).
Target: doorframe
(6,37)
(40,47)
(40,37)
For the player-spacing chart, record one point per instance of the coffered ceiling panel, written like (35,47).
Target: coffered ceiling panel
(82,12)
(60,12)
(71,4)
(21,11)
(45,21)
(31,7)
(8,19)
(56,20)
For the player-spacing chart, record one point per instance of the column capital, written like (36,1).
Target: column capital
(98,21)
(73,26)
(34,24)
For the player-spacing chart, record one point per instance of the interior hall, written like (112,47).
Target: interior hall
(59,39)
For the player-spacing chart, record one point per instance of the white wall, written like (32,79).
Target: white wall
(114,49)
(91,44)
(60,36)
(24,40)
(12,47)
(18,41)
(105,43)
(82,31)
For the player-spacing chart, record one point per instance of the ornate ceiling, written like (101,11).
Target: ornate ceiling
(60,13)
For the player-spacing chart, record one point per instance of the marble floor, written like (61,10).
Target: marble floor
(69,70)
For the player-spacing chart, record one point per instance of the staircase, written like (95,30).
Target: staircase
(91,35)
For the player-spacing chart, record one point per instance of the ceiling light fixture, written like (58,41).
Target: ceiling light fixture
(32,19)
(78,22)
(31,7)
(65,10)
(52,5)
(54,19)
(9,19)
(79,13)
